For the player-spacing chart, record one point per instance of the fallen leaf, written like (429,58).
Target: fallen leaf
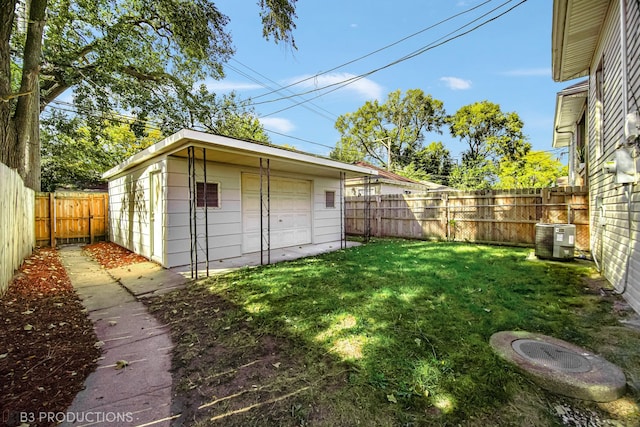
(99,344)
(121,364)
(276,365)
(28,327)
(27,312)
(391,398)
(3,355)
(112,323)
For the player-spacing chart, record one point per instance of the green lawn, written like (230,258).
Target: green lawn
(390,333)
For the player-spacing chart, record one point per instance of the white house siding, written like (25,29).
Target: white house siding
(129,219)
(225,223)
(614,226)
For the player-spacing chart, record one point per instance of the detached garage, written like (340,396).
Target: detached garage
(196,197)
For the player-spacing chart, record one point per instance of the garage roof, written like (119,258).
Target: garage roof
(243,153)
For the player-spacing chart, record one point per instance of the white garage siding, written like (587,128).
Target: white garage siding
(298,212)
(129,215)
(326,220)
(225,228)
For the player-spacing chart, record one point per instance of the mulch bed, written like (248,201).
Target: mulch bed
(110,255)
(47,341)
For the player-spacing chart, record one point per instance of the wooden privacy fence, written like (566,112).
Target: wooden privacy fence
(493,216)
(70,217)
(16,223)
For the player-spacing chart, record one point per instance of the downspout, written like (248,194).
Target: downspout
(623,56)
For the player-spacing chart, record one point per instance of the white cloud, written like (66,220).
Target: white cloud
(228,86)
(366,88)
(277,124)
(456,83)
(528,72)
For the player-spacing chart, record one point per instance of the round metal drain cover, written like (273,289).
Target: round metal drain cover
(551,356)
(561,367)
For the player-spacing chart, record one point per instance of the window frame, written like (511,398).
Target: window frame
(333,199)
(200,201)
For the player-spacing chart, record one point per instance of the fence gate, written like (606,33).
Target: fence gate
(70,217)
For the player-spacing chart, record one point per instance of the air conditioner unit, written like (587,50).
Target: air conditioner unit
(555,241)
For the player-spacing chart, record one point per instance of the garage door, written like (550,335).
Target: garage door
(290,212)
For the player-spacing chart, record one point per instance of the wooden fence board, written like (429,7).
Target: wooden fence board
(16,223)
(70,217)
(505,217)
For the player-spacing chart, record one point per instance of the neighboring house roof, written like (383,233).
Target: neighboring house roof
(244,153)
(393,178)
(383,173)
(574,36)
(570,104)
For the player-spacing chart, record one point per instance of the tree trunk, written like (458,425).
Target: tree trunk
(7,127)
(27,115)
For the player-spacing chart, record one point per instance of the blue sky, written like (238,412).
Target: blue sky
(507,61)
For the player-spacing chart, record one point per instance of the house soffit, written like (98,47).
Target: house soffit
(576,27)
(570,104)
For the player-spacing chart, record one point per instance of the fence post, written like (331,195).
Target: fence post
(91,234)
(52,219)
(446,216)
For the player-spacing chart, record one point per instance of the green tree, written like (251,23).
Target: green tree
(389,134)
(116,55)
(435,160)
(537,169)
(492,136)
(473,174)
(75,155)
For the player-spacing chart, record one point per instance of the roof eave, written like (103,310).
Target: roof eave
(575,30)
(185,137)
(569,105)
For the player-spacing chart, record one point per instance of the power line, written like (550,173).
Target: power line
(426,48)
(154,125)
(380,49)
(279,89)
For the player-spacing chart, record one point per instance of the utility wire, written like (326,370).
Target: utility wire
(329,115)
(439,42)
(339,85)
(315,76)
(154,125)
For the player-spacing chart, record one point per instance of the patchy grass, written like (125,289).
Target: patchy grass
(390,333)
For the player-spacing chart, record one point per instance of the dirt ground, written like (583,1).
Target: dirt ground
(46,339)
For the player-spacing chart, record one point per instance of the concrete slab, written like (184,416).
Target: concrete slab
(140,392)
(254,258)
(147,278)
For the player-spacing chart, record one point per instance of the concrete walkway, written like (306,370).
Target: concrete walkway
(132,384)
